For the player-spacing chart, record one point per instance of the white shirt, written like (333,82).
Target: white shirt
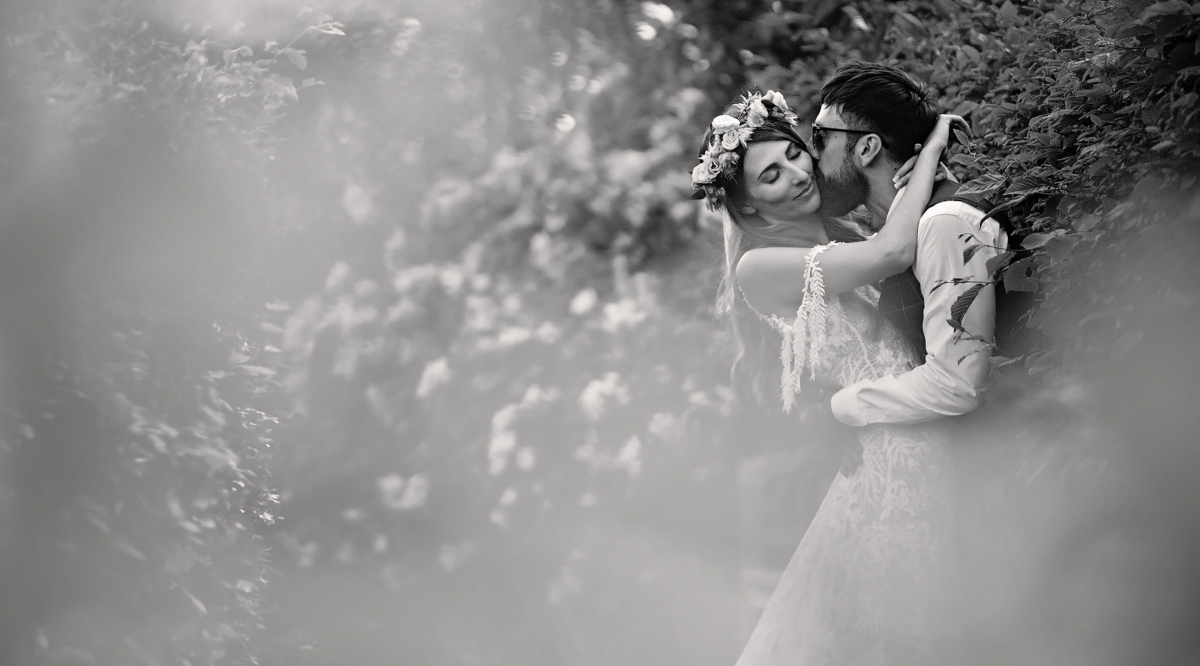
(955,367)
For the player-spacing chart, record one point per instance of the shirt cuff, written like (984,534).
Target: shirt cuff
(845,407)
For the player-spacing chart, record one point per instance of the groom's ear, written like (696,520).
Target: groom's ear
(869,150)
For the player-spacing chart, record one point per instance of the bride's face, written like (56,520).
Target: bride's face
(778,179)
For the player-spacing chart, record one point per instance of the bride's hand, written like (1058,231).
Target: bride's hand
(937,141)
(940,137)
(904,173)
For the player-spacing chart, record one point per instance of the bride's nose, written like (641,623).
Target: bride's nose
(801,177)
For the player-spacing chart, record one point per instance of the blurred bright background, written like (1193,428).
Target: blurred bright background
(382,331)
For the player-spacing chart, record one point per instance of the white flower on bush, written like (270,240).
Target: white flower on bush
(664,426)
(504,440)
(526,459)
(503,419)
(625,313)
(452,279)
(453,555)
(583,302)
(629,457)
(436,373)
(501,444)
(357,203)
(407,278)
(401,495)
(536,394)
(337,275)
(599,393)
(481,313)
(512,336)
(548,333)
(509,497)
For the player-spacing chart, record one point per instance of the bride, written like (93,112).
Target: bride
(862,587)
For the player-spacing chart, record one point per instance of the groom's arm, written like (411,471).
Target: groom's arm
(955,367)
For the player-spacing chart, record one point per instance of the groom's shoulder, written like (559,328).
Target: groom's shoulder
(948,210)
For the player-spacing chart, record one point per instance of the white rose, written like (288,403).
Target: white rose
(723,122)
(777,99)
(756,113)
(706,171)
(729,140)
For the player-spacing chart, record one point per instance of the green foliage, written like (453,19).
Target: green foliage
(140,415)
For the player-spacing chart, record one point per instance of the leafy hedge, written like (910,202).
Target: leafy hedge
(140,342)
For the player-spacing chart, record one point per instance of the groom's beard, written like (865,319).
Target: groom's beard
(843,191)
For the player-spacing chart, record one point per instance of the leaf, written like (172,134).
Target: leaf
(985,183)
(128,549)
(964,107)
(1088,221)
(912,21)
(297,57)
(1168,8)
(1016,276)
(999,262)
(1036,240)
(963,303)
(970,252)
(196,602)
(965,159)
(328,29)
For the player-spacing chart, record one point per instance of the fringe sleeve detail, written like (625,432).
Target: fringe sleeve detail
(804,341)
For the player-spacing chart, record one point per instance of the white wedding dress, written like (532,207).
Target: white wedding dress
(865,586)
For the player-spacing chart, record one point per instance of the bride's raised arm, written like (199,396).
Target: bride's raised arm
(773,277)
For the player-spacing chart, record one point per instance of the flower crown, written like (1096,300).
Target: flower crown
(720,158)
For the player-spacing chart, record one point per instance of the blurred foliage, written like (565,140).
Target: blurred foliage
(439,254)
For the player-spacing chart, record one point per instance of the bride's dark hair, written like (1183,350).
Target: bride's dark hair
(756,366)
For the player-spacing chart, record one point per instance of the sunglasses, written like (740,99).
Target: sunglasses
(818,135)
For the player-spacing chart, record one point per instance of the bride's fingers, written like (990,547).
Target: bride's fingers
(905,171)
(956,122)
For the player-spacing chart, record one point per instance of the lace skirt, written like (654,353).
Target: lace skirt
(867,585)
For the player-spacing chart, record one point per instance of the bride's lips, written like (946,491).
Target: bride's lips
(807,190)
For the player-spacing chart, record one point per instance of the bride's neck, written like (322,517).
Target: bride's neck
(808,229)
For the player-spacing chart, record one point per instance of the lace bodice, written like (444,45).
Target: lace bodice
(836,340)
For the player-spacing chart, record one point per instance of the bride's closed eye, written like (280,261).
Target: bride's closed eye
(771,175)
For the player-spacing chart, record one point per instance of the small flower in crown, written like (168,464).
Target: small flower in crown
(728,133)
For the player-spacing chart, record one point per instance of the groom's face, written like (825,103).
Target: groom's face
(841,181)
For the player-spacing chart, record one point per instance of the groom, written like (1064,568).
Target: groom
(871,116)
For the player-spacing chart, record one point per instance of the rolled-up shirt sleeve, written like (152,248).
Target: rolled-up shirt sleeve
(956,366)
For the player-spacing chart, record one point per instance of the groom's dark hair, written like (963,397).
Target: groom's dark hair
(884,99)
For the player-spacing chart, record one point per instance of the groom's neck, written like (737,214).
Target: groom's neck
(882,194)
